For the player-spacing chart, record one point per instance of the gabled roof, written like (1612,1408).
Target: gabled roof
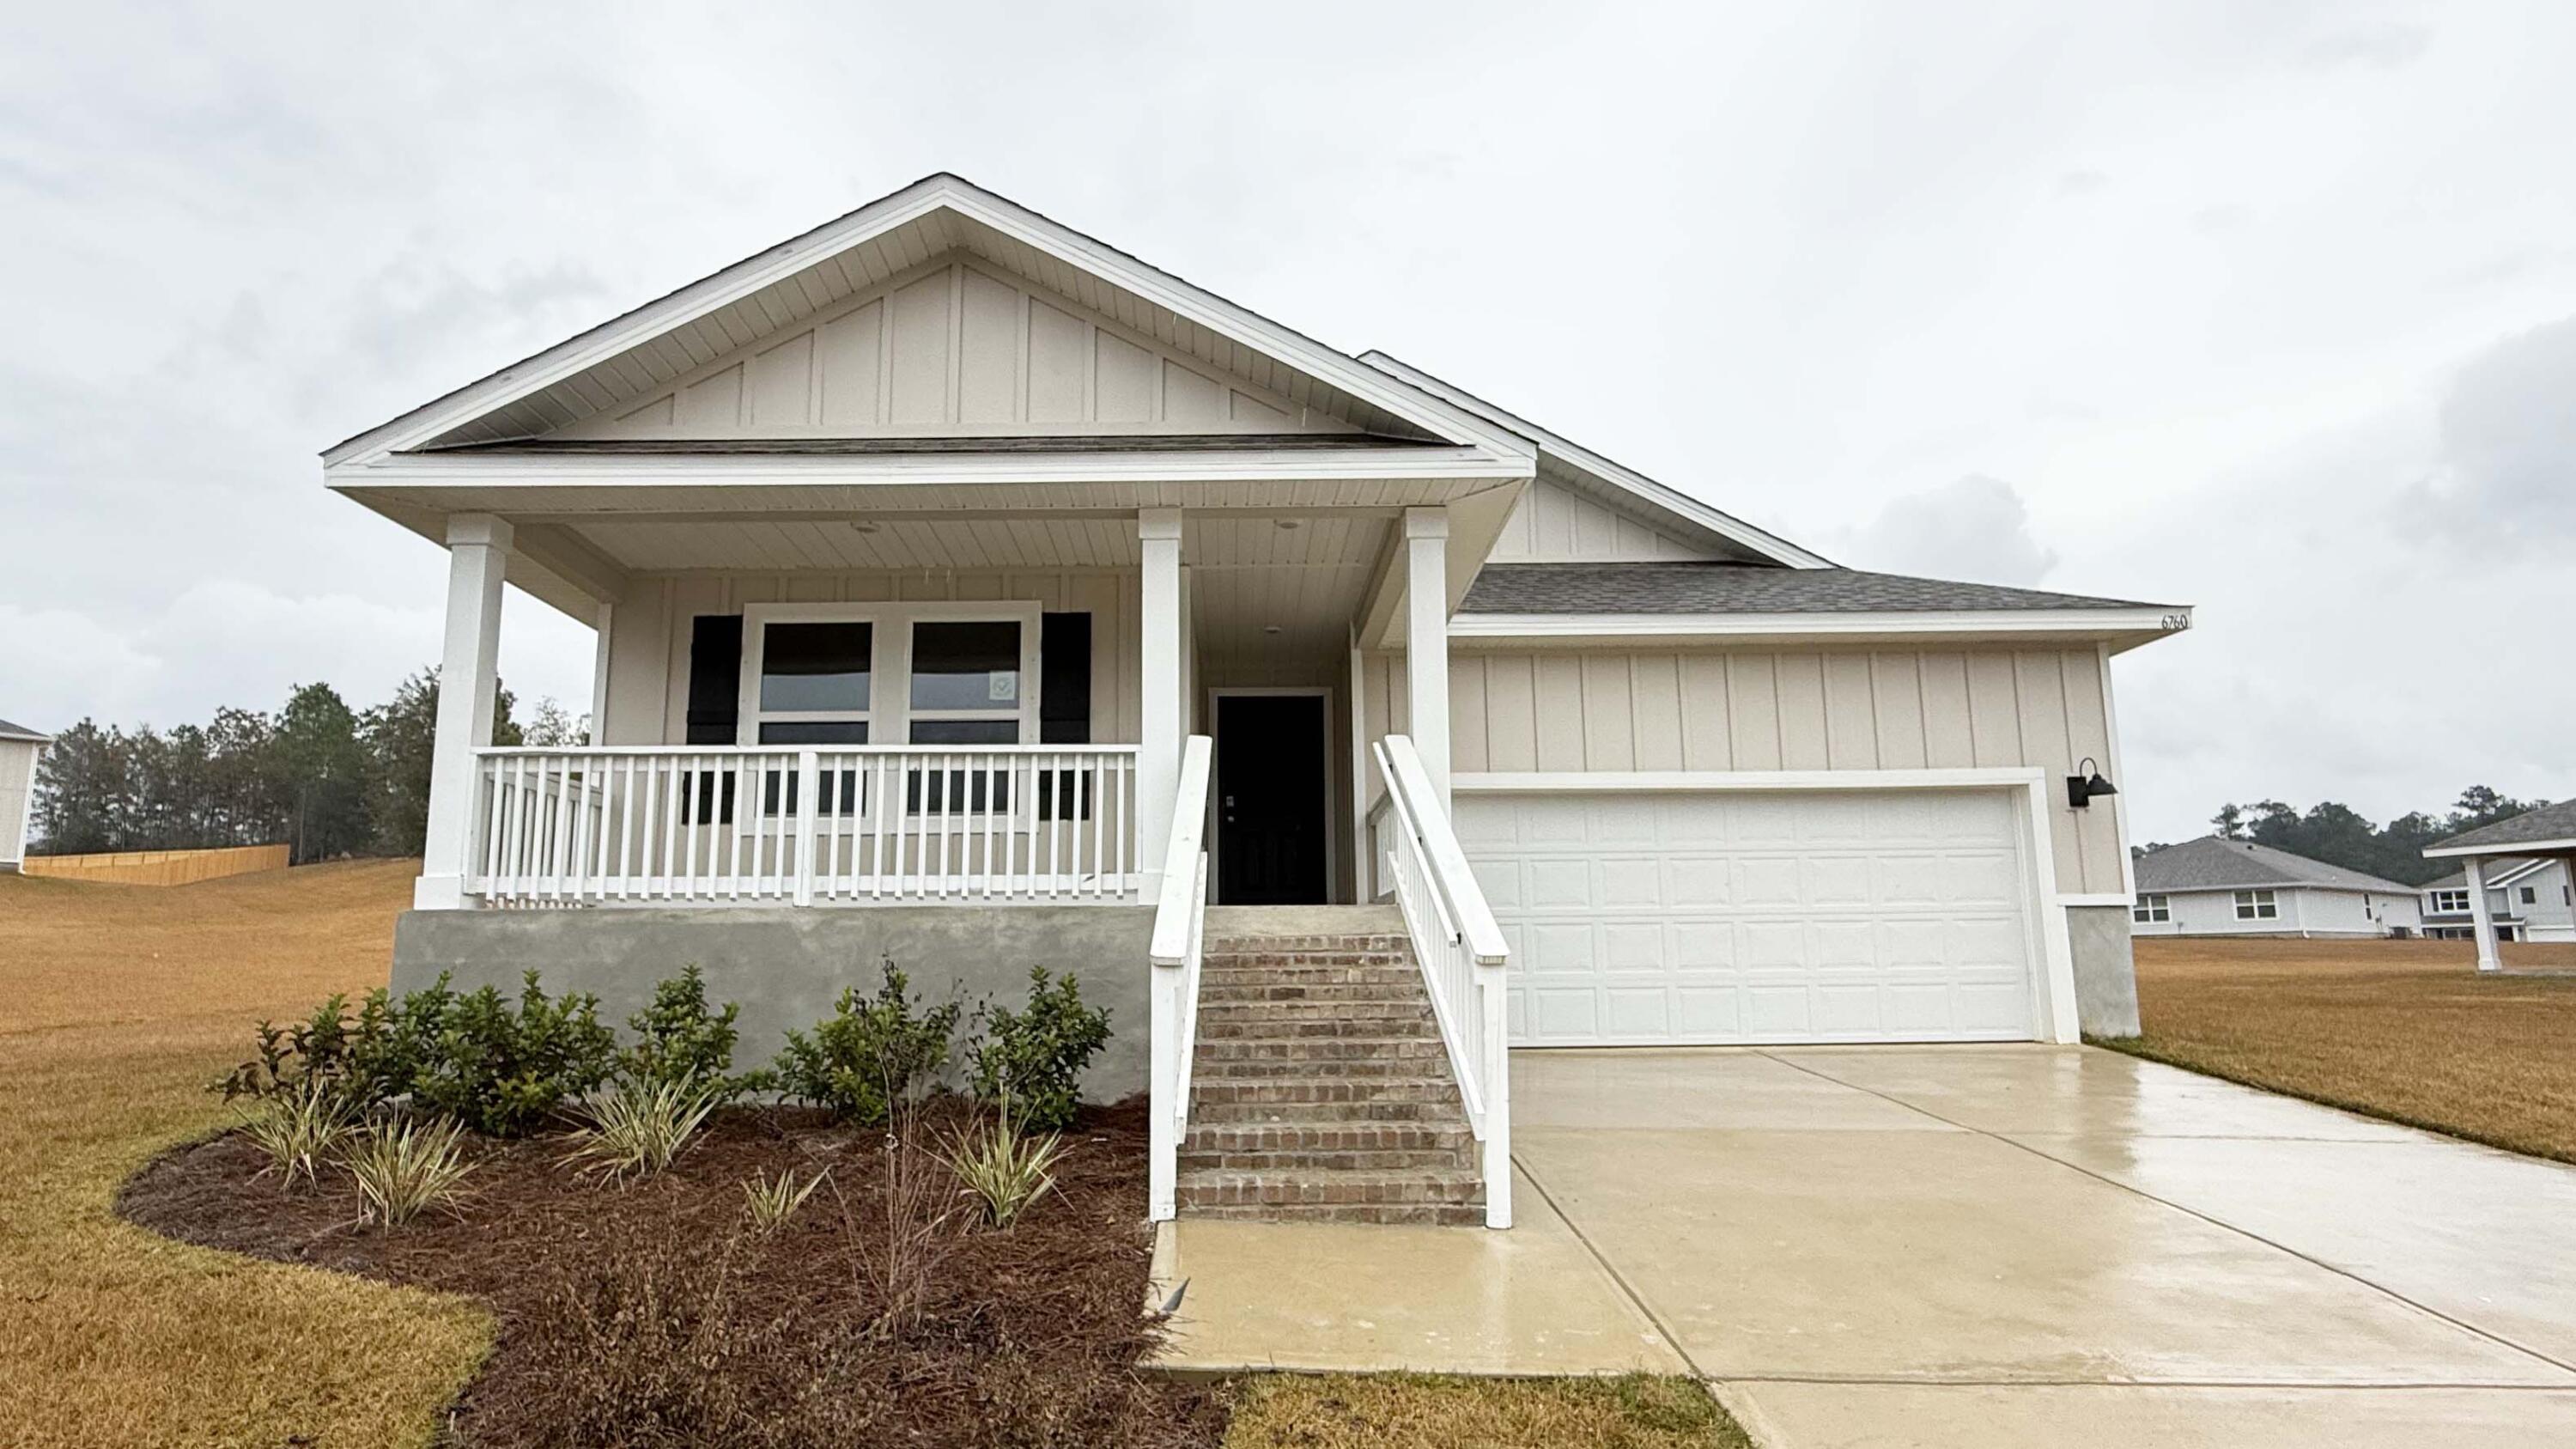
(1735,588)
(10,731)
(2550,825)
(2213,863)
(630,355)
(1594,473)
(2501,871)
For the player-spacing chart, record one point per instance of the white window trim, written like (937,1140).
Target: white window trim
(889,712)
(2447,902)
(2152,908)
(2257,906)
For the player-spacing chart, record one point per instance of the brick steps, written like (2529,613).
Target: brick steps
(1321,1090)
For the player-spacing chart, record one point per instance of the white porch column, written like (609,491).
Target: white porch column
(1158,754)
(599,675)
(2479,922)
(478,547)
(1426,634)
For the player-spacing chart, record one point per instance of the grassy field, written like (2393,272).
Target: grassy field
(2405,1030)
(119,1003)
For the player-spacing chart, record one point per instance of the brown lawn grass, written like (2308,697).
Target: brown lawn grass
(1414,1411)
(2405,1030)
(117,1005)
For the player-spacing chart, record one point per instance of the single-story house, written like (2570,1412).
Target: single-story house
(970,591)
(2513,882)
(19,747)
(2215,886)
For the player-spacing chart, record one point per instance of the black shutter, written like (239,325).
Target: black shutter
(715,678)
(1064,679)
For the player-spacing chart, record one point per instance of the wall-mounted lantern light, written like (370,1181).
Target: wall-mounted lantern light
(2087,783)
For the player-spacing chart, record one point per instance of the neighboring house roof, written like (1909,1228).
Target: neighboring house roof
(1732,588)
(2500,872)
(2550,824)
(1602,473)
(2212,863)
(10,731)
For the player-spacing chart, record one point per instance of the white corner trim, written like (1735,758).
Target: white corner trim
(2055,981)
(2088,622)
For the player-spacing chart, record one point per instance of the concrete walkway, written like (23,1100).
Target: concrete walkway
(1969,1245)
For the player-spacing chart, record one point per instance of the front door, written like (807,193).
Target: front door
(1271,800)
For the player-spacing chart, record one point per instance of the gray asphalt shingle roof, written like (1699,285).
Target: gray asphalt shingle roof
(1736,588)
(2549,822)
(2211,863)
(10,731)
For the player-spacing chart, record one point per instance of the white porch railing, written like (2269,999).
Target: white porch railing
(829,825)
(1461,952)
(1179,947)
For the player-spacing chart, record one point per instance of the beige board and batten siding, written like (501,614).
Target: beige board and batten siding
(957,346)
(1552,523)
(648,667)
(1749,710)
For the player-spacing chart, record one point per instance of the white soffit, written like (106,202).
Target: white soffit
(630,356)
(1595,474)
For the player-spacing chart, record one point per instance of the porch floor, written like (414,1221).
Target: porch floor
(1235,922)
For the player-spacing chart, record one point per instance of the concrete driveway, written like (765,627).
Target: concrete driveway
(2045,1245)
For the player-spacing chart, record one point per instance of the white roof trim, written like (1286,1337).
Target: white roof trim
(1662,496)
(2081,622)
(933,193)
(2501,847)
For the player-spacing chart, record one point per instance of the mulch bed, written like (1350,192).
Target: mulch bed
(650,1314)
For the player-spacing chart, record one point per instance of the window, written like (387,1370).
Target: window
(2151,908)
(2450,903)
(2256,906)
(2530,896)
(966,682)
(816,682)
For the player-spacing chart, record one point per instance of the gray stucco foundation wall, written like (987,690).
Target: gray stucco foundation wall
(2106,976)
(786,966)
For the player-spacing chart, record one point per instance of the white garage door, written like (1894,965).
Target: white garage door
(1717,917)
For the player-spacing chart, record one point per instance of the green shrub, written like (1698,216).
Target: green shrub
(332,1053)
(679,1042)
(501,1071)
(1031,1061)
(870,1054)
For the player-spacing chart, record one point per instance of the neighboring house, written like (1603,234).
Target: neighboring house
(2527,900)
(19,747)
(924,548)
(2513,882)
(2214,886)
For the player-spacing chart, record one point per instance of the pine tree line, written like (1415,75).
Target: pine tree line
(328,780)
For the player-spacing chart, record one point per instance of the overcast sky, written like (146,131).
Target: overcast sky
(2267,308)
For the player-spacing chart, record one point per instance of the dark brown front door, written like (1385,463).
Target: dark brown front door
(1271,804)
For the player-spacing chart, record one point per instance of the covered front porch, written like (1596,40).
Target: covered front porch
(976,708)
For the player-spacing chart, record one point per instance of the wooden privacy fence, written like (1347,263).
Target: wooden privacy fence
(160,867)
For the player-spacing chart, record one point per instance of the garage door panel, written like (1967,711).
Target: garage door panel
(1754,917)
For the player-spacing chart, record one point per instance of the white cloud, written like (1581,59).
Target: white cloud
(1969,528)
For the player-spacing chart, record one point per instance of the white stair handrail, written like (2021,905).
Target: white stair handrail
(1461,952)
(1178,945)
